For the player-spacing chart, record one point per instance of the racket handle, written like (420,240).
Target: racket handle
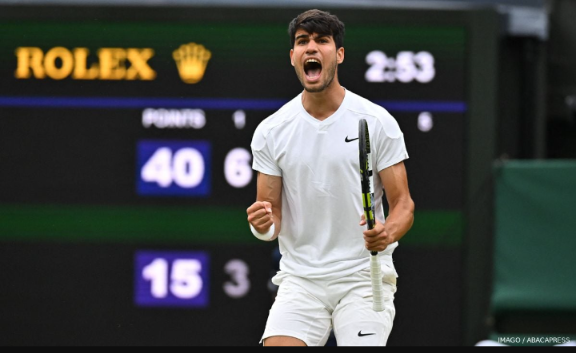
(377,287)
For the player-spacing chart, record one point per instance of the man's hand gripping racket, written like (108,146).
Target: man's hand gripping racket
(368,204)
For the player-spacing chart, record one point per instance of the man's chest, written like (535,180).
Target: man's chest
(314,152)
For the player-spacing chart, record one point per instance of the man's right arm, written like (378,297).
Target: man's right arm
(267,209)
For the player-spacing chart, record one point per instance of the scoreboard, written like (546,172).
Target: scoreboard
(126,165)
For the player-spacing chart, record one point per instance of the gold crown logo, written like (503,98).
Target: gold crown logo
(191,60)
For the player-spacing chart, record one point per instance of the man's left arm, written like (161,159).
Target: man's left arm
(401,209)
(401,206)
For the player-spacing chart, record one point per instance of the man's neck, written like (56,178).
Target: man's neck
(323,104)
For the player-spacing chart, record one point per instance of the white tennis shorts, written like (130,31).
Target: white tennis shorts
(309,310)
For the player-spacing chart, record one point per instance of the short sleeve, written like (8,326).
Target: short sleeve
(263,158)
(390,147)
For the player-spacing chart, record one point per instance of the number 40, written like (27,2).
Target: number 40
(185,167)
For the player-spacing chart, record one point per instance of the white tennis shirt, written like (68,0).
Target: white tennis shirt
(321,192)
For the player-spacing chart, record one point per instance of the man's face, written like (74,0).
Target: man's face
(315,59)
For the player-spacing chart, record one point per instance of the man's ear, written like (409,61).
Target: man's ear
(292,57)
(340,55)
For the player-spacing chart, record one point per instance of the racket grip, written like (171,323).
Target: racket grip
(377,287)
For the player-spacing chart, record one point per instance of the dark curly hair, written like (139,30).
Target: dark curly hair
(317,21)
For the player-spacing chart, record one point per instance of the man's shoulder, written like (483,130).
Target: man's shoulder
(283,114)
(288,109)
(368,109)
(361,105)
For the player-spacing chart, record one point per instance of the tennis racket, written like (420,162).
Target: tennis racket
(368,204)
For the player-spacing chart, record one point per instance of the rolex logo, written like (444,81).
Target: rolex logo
(191,60)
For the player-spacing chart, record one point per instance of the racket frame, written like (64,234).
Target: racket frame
(367,183)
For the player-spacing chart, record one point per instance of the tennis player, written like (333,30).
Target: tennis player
(309,197)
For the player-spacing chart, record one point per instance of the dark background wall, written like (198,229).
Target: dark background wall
(561,83)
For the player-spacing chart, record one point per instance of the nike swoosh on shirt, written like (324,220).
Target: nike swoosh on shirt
(350,140)
(360,334)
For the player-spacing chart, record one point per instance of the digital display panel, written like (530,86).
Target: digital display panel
(77,97)
(129,129)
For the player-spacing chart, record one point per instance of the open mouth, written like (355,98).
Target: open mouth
(312,69)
